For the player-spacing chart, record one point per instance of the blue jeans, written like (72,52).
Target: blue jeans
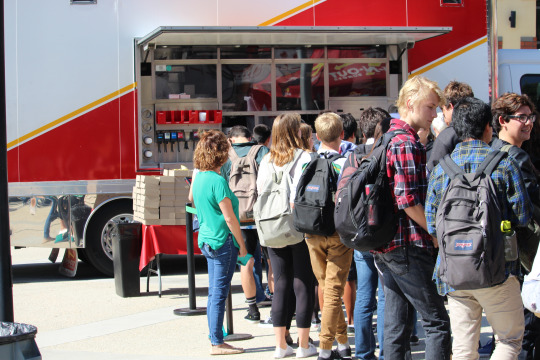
(221,265)
(257,274)
(407,275)
(364,339)
(380,319)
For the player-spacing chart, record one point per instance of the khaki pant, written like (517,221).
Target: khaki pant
(504,312)
(331,261)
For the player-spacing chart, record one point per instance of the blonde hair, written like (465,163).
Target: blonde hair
(285,138)
(417,89)
(212,151)
(328,127)
(306,133)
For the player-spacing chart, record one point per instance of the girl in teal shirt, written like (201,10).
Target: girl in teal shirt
(220,237)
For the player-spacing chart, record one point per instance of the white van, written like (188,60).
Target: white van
(519,72)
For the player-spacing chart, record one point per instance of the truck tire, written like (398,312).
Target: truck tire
(98,249)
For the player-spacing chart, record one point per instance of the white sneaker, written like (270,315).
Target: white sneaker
(281,353)
(306,352)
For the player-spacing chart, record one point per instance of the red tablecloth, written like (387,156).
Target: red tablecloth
(164,239)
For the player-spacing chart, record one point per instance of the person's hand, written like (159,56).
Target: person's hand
(435,242)
(242,251)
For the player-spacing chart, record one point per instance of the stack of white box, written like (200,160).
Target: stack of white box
(161,200)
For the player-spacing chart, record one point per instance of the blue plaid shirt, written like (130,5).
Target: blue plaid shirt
(515,203)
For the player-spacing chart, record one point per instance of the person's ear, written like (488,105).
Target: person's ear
(502,121)
(342,136)
(409,105)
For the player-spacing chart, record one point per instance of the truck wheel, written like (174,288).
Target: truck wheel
(99,234)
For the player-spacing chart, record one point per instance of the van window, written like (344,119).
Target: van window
(530,85)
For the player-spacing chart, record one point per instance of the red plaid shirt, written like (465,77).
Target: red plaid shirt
(406,169)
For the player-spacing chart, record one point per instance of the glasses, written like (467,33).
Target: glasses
(523,118)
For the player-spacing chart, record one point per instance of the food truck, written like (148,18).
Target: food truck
(100,91)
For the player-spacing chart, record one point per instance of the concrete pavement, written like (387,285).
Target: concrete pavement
(83,318)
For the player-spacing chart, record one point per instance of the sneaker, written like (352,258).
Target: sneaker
(414,340)
(350,329)
(281,353)
(316,324)
(306,352)
(334,355)
(267,322)
(268,293)
(253,317)
(345,354)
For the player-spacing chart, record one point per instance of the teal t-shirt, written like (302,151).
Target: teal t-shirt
(209,189)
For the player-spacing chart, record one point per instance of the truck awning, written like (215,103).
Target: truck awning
(289,35)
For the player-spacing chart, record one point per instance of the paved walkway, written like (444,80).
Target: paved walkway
(83,318)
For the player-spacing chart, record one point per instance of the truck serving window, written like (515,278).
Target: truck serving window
(300,86)
(186,81)
(530,85)
(246,87)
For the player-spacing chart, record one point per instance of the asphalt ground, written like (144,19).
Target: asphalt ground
(83,317)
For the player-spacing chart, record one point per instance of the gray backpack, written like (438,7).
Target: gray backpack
(243,181)
(272,210)
(468,224)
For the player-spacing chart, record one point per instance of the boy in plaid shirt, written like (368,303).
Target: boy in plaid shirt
(407,261)
(501,303)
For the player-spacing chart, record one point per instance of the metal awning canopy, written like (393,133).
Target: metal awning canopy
(289,35)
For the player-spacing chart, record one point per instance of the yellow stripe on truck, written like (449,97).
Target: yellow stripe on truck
(449,57)
(70,115)
(290,12)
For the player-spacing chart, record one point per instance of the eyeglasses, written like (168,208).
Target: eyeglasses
(523,118)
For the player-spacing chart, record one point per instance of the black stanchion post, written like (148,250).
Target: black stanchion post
(6,281)
(193,309)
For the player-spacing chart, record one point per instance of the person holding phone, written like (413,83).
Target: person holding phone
(220,238)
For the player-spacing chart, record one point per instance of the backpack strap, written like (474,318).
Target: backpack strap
(253,151)
(450,167)
(278,176)
(490,163)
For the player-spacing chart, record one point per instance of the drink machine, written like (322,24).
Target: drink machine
(172,114)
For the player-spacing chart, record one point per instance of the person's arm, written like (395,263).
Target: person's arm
(232,222)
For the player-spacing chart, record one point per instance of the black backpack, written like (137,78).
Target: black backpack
(314,202)
(468,224)
(366,220)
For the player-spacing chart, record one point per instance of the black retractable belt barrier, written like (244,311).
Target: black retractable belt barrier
(193,309)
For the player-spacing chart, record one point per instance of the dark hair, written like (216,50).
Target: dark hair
(508,104)
(349,125)
(470,117)
(239,131)
(455,91)
(261,133)
(370,118)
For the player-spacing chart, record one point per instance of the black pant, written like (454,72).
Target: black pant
(293,283)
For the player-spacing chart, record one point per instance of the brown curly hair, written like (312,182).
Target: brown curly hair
(508,104)
(212,151)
